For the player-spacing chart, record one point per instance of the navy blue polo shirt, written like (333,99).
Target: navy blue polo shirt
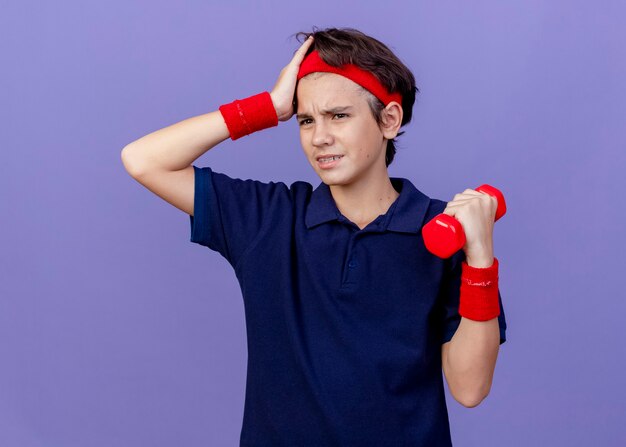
(344,325)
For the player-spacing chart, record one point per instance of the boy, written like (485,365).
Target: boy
(349,318)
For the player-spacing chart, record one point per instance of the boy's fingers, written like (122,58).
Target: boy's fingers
(300,52)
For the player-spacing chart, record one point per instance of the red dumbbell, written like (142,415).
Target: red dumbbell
(444,235)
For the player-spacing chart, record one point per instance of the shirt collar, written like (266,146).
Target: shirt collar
(407,212)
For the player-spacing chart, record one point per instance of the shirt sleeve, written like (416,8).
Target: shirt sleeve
(450,296)
(229,212)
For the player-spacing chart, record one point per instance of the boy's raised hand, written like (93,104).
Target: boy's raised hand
(285,88)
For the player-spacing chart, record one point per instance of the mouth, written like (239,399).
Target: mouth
(328,161)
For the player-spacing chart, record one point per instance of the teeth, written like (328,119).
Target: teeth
(337,157)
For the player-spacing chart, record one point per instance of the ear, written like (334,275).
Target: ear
(391,120)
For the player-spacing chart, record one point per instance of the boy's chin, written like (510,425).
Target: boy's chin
(335,179)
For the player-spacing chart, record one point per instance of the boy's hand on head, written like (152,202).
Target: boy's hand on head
(476,213)
(284,91)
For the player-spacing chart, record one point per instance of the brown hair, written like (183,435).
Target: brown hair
(339,46)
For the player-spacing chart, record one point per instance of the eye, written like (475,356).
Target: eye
(304,121)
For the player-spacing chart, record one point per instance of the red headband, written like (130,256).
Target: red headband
(364,78)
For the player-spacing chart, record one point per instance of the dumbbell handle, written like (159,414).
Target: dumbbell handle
(444,235)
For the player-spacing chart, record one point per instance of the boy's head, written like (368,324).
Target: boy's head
(369,129)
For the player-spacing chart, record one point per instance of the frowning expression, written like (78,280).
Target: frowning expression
(335,120)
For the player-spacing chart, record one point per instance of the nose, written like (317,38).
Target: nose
(321,134)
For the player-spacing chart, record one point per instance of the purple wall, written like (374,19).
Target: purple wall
(115,330)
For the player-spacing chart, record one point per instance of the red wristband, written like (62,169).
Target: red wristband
(479,292)
(245,116)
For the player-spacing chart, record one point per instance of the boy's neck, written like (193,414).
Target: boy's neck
(363,201)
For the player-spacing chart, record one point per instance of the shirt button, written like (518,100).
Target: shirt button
(352,264)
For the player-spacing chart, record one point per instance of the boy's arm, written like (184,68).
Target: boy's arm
(177,146)
(161,161)
(469,358)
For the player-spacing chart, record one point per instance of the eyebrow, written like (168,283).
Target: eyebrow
(325,112)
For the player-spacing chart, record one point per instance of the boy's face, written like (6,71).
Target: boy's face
(351,131)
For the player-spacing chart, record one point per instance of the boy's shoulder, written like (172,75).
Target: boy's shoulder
(435,206)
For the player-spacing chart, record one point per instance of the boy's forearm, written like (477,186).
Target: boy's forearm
(176,146)
(472,359)
(473,350)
